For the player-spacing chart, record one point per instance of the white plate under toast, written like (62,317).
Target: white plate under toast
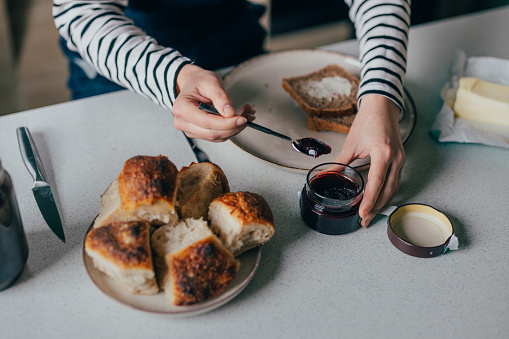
(257,81)
(159,303)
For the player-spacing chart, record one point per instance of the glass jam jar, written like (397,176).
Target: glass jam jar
(13,242)
(330,199)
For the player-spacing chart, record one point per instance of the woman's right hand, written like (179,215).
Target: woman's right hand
(375,133)
(196,85)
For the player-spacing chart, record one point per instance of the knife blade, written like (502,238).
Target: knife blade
(41,188)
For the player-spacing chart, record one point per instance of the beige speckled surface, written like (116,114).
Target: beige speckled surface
(308,285)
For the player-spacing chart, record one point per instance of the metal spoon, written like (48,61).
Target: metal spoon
(309,146)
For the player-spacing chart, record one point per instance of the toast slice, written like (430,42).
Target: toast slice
(328,92)
(339,124)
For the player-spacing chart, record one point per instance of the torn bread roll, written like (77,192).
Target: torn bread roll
(243,220)
(198,185)
(122,251)
(191,262)
(145,190)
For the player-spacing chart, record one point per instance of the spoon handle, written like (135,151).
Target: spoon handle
(210,109)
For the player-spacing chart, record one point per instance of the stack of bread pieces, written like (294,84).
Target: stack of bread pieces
(176,230)
(328,96)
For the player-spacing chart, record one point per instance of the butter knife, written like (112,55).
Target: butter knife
(41,188)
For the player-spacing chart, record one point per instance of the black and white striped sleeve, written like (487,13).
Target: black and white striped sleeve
(117,49)
(382,33)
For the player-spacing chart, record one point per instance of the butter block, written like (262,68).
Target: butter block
(482,101)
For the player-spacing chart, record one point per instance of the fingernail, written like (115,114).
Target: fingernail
(366,222)
(229,110)
(241,121)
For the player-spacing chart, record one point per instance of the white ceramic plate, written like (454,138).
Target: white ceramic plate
(258,82)
(158,303)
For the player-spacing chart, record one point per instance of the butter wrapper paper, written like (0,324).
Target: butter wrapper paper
(450,128)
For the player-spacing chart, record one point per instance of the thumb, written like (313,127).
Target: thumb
(209,88)
(345,157)
(221,100)
(224,107)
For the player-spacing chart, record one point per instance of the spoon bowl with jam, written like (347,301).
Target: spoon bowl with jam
(308,146)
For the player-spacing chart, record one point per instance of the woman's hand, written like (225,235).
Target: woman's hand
(375,133)
(196,85)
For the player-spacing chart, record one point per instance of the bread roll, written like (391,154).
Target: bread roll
(145,190)
(191,262)
(243,220)
(198,185)
(122,251)
(111,210)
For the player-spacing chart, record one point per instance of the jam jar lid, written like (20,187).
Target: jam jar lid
(421,231)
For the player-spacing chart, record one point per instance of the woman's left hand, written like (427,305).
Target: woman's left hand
(375,133)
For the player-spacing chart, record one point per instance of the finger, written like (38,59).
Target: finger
(376,179)
(394,189)
(189,113)
(388,190)
(346,156)
(391,183)
(246,110)
(215,91)
(213,135)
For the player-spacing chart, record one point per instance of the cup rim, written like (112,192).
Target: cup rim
(331,201)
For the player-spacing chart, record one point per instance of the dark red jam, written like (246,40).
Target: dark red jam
(329,205)
(313,147)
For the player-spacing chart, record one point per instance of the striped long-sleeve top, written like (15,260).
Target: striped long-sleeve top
(120,51)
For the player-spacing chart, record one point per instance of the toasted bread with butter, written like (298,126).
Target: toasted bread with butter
(328,92)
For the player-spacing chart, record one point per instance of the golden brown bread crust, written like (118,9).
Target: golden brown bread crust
(201,271)
(198,185)
(247,207)
(346,105)
(145,179)
(124,243)
(340,124)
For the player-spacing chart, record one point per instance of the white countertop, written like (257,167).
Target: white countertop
(308,285)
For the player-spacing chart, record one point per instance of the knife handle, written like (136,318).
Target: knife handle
(30,155)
